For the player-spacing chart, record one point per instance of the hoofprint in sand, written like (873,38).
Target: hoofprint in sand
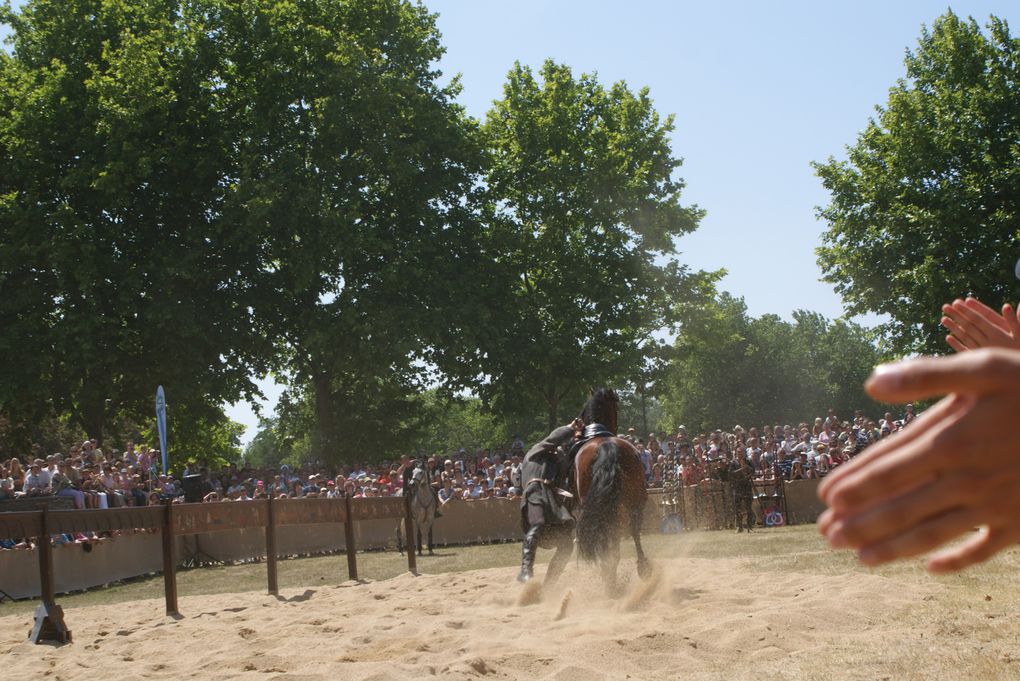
(696,618)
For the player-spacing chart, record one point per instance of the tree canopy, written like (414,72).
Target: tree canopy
(731,368)
(355,171)
(117,271)
(585,208)
(926,206)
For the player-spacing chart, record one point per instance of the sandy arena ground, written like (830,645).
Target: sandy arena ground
(695,619)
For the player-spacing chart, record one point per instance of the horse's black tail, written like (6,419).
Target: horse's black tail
(601,509)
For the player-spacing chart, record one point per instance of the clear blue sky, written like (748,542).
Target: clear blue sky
(759,90)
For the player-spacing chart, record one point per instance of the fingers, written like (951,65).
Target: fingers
(970,326)
(825,521)
(980,314)
(900,513)
(979,548)
(905,461)
(858,471)
(962,331)
(1012,318)
(955,344)
(920,538)
(926,377)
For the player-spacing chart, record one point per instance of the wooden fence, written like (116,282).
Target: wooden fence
(174,520)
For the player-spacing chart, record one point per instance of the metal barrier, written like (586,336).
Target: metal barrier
(175,520)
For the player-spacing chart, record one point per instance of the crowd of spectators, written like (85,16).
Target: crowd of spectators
(809,450)
(92,478)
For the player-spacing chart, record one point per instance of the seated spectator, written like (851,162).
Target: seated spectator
(6,485)
(447,492)
(34,483)
(61,486)
(16,472)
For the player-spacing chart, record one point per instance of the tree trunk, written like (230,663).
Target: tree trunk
(92,417)
(325,422)
(644,410)
(553,402)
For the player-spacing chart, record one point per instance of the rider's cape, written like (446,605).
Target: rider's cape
(542,471)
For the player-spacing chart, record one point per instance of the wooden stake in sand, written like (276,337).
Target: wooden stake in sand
(49,617)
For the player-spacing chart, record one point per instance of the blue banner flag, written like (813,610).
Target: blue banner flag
(161,423)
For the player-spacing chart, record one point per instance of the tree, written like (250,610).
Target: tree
(585,207)
(460,423)
(925,207)
(729,368)
(354,176)
(117,272)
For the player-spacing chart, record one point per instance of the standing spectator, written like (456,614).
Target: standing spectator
(646,460)
(742,479)
(516,479)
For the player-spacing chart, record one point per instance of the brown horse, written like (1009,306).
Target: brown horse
(611,487)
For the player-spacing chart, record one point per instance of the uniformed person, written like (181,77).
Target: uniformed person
(742,481)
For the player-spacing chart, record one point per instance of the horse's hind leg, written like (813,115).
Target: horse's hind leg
(644,567)
(431,544)
(418,533)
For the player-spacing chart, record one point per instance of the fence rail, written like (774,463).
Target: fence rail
(187,519)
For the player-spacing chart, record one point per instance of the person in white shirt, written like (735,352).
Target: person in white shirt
(34,483)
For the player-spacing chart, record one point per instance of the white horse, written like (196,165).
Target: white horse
(423,508)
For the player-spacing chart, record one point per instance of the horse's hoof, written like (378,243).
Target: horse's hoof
(524,576)
(644,570)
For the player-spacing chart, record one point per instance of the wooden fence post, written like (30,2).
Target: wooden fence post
(169,561)
(412,563)
(274,587)
(352,557)
(49,617)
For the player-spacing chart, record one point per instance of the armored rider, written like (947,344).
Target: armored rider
(544,515)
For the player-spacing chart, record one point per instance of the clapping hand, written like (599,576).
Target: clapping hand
(973,325)
(955,468)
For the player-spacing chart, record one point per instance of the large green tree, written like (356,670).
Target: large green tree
(355,170)
(926,206)
(117,271)
(585,210)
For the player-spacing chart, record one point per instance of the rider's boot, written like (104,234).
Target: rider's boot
(529,546)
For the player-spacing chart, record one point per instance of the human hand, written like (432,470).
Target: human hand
(973,325)
(955,467)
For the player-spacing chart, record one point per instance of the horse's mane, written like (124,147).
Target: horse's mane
(601,407)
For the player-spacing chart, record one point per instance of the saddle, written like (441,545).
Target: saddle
(591,431)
